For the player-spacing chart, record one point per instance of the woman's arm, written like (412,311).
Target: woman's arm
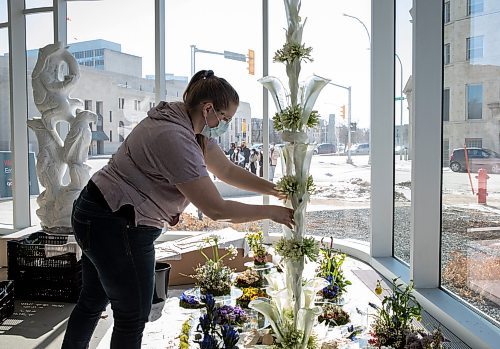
(204,195)
(237,176)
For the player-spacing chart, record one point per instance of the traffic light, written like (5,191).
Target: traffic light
(251,62)
(342,112)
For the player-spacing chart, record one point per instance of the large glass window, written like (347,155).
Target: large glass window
(3,11)
(6,207)
(402,131)
(116,64)
(474,101)
(38,3)
(470,235)
(39,33)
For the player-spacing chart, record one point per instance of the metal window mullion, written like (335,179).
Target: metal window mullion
(60,21)
(160,83)
(265,102)
(426,150)
(382,127)
(18,114)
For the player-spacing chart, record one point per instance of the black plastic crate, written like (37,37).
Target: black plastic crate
(6,299)
(38,277)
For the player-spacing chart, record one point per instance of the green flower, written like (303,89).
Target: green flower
(290,118)
(292,51)
(289,185)
(294,249)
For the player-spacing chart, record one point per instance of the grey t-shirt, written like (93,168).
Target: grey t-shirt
(160,152)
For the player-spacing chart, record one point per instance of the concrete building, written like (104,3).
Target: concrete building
(471,88)
(111,85)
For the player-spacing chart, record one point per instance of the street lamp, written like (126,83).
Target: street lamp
(348,88)
(364,26)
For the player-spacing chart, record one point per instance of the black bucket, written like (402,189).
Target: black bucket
(162,274)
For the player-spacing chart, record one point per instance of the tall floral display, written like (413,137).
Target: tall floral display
(291,310)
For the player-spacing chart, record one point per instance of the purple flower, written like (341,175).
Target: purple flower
(230,337)
(205,323)
(227,314)
(209,342)
(330,292)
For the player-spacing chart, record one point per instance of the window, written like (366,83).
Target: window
(137,105)
(475,6)
(110,116)
(446,104)
(99,108)
(446,59)
(121,103)
(110,136)
(474,47)
(88,104)
(446,12)
(473,143)
(475,101)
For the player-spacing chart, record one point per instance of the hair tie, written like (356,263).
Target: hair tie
(208,74)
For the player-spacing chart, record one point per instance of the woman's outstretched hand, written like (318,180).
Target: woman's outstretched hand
(282,215)
(279,194)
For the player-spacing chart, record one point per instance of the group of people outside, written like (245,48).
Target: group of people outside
(253,159)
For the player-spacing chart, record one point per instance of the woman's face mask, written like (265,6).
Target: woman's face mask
(217,131)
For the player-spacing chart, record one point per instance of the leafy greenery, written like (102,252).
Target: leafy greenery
(292,249)
(290,118)
(292,51)
(393,321)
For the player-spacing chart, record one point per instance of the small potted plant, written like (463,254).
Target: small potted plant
(334,315)
(330,268)
(259,252)
(248,278)
(249,294)
(211,333)
(214,277)
(394,321)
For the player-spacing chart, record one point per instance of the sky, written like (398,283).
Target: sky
(340,44)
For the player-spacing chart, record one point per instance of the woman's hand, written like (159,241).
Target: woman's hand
(282,215)
(278,193)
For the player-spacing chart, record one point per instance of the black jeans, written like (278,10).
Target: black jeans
(118,266)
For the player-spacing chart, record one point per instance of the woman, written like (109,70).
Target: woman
(254,159)
(161,167)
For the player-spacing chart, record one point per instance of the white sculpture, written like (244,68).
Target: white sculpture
(51,89)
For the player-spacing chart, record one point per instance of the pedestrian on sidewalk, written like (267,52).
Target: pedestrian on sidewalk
(156,172)
(274,155)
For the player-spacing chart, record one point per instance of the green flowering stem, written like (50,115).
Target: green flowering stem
(295,249)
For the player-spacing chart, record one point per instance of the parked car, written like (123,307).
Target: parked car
(478,158)
(361,148)
(325,148)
